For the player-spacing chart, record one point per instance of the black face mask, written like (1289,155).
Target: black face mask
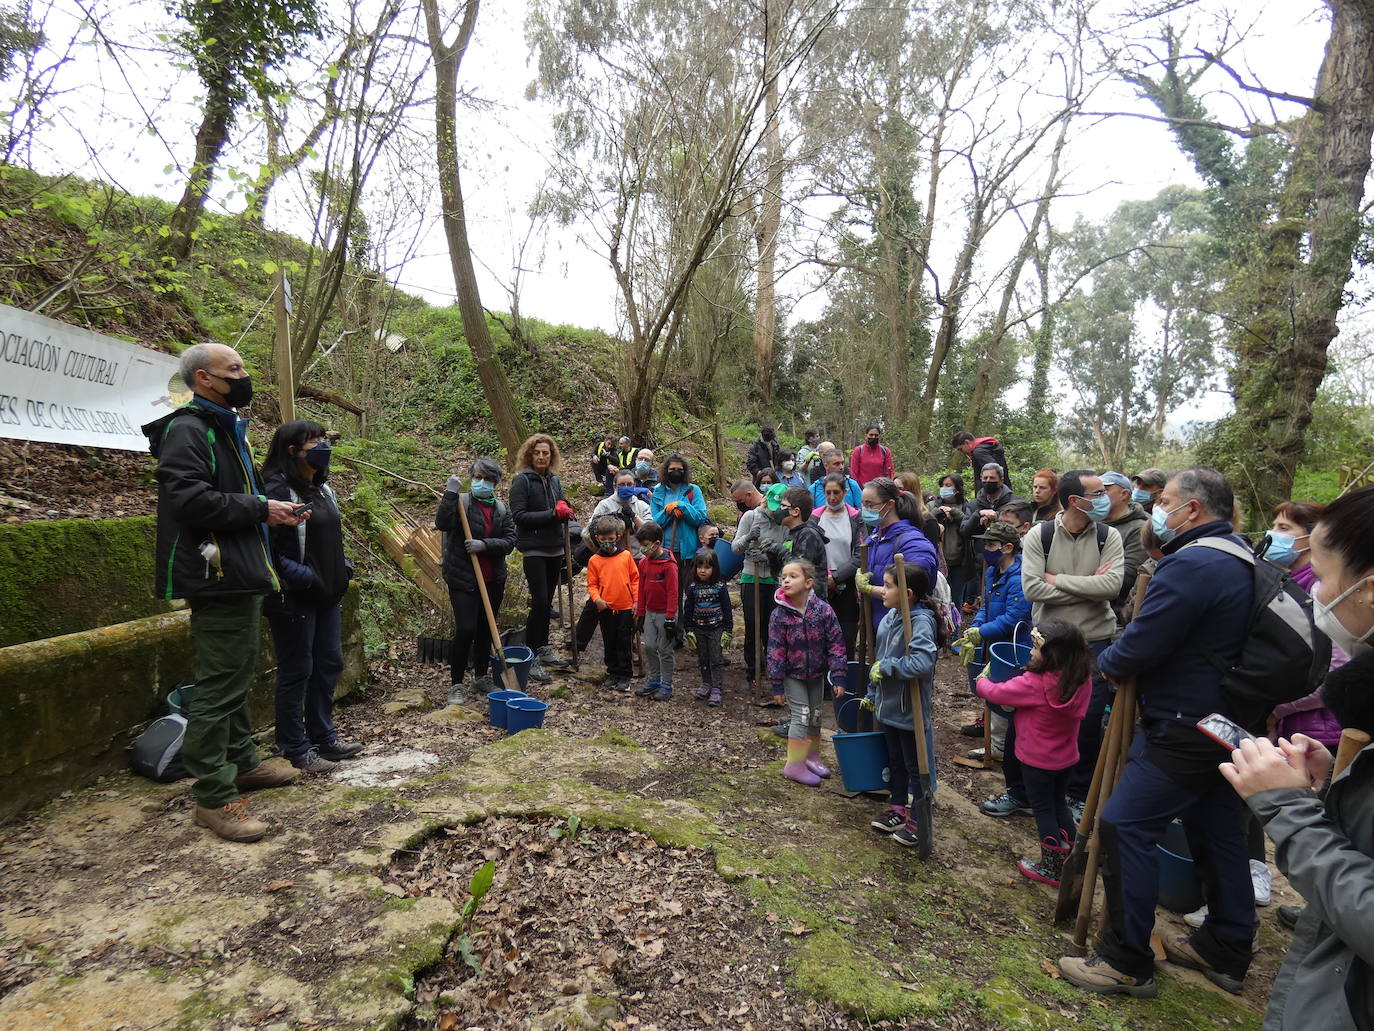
(991,488)
(742,507)
(767,434)
(240,390)
(676,476)
(318,457)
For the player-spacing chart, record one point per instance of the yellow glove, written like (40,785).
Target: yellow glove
(875,675)
(725,639)
(973,636)
(985,672)
(867,703)
(864,582)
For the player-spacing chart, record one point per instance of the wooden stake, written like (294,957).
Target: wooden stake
(572,619)
(286,374)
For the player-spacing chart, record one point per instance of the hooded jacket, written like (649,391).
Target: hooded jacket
(891,696)
(1046,725)
(657,585)
(757,530)
(1004,606)
(1129,526)
(763,454)
(973,522)
(680,531)
(804,643)
(985,450)
(500,541)
(898,538)
(853,493)
(805,540)
(209,493)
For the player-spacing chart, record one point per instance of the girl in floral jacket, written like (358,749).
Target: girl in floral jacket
(805,645)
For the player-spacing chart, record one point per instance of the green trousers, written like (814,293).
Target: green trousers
(219,737)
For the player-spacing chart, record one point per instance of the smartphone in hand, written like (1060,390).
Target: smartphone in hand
(1223,731)
(302,510)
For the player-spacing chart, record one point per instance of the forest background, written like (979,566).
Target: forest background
(1113,234)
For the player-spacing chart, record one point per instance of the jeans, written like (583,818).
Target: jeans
(1134,819)
(471,634)
(766,606)
(218,745)
(903,765)
(1090,730)
(658,648)
(710,659)
(309,661)
(541,574)
(804,701)
(1045,795)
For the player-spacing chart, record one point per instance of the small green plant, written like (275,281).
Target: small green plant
(477,890)
(568,830)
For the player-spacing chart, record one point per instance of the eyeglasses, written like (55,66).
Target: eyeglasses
(1102,493)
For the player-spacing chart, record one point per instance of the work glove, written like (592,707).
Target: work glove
(454,485)
(966,651)
(725,639)
(983,674)
(691,640)
(475,546)
(875,675)
(670,627)
(758,556)
(563,510)
(673,509)
(864,582)
(973,637)
(867,703)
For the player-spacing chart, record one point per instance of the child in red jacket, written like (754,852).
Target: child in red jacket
(1050,698)
(656,611)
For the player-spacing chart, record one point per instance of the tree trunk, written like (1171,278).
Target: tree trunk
(1282,358)
(769,221)
(510,427)
(949,324)
(210,140)
(1038,403)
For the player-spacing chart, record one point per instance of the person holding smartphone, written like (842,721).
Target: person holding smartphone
(306,615)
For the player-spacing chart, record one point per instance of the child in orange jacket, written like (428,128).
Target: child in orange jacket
(613,587)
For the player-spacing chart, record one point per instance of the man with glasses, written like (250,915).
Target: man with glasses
(1072,569)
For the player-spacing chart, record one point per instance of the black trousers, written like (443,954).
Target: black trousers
(471,634)
(1045,793)
(766,606)
(542,575)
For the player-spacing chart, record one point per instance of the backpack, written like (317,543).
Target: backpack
(155,753)
(1284,656)
(1047,538)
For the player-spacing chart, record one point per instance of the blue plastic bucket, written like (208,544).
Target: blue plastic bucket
(730,563)
(863,760)
(496,706)
(518,658)
(850,716)
(1180,888)
(524,714)
(1007,658)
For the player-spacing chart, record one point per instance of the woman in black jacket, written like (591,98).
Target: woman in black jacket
(305,618)
(493,538)
(951,508)
(540,511)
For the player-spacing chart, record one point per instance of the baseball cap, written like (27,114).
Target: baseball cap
(1115,479)
(1002,533)
(1151,478)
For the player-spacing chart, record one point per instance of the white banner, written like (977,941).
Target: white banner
(67,385)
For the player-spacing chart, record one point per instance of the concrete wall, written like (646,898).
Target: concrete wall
(70,703)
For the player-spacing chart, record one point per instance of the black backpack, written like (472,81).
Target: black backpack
(156,753)
(1284,656)
(1047,537)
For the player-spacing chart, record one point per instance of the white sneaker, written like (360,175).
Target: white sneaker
(1260,880)
(1196,918)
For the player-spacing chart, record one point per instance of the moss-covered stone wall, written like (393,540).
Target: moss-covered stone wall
(67,575)
(70,705)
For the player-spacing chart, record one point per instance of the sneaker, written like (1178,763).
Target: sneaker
(974,729)
(549,657)
(313,762)
(889,821)
(664,692)
(458,694)
(1097,975)
(340,749)
(538,674)
(648,688)
(1076,809)
(1178,950)
(264,775)
(231,821)
(714,698)
(1196,918)
(703,692)
(913,835)
(978,753)
(483,686)
(1288,915)
(781,729)
(1260,881)
(621,685)
(1006,804)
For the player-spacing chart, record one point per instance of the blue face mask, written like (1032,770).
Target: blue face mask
(946,493)
(992,556)
(641,468)
(624,493)
(870,515)
(1283,548)
(1101,507)
(482,490)
(1141,497)
(1159,524)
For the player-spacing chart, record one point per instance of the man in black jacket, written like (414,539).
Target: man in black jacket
(764,453)
(980,451)
(212,549)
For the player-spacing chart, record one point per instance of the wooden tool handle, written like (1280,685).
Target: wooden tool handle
(1352,741)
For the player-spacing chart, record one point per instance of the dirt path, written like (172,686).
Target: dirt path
(652,870)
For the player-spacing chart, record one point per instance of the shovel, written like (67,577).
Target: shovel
(507,674)
(922,803)
(572,621)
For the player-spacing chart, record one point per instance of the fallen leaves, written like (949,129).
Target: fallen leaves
(273,886)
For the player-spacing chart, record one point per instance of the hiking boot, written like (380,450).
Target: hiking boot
(664,692)
(264,776)
(890,820)
(714,697)
(231,821)
(974,729)
(1097,975)
(1006,804)
(1178,949)
(313,762)
(340,749)
(649,687)
(537,673)
(782,729)
(1289,915)
(549,657)
(1053,852)
(703,692)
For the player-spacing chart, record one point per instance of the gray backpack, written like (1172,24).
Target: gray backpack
(156,753)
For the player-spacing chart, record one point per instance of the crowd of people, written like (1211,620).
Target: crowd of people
(1104,577)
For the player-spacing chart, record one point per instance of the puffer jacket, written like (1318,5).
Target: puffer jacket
(899,538)
(891,696)
(1004,606)
(458,573)
(208,493)
(538,530)
(804,643)
(1326,850)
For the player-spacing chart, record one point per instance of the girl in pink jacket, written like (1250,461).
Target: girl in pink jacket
(1050,699)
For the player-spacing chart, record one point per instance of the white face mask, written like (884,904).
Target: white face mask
(787,467)
(1330,624)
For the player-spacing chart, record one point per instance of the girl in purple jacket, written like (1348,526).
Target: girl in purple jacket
(805,645)
(1050,699)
